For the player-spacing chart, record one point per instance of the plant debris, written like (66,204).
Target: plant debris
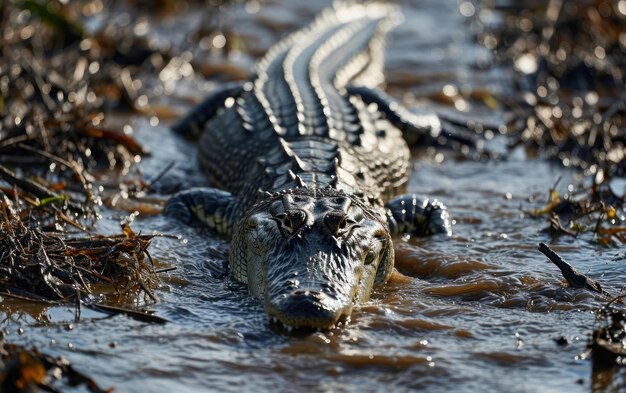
(54,100)
(594,209)
(43,265)
(29,370)
(568,57)
(568,101)
(608,341)
(58,78)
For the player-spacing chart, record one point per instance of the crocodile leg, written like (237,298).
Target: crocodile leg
(192,124)
(410,214)
(416,125)
(208,207)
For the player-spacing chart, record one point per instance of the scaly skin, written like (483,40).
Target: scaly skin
(304,166)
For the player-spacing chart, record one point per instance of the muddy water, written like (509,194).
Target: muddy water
(477,312)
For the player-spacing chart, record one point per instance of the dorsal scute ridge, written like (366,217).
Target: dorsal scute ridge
(342,12)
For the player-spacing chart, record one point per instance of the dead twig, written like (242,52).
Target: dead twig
(574,278)
(138,315)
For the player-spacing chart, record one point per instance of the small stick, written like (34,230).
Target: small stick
(77,310)
(555,223)
(29,299)
(95,274)
(146,290)
(573,277)
(30,186)
(27,185)
(138,315)
(616,299)
(162,173)
(167,269)
(79,172)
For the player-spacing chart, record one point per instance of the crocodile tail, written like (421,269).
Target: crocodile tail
(342,14)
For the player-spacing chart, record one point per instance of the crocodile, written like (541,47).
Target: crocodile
(307,163)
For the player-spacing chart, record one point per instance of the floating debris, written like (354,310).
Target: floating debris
(29,370)
(143,316)
(608,341)
(594,209)
(574,278)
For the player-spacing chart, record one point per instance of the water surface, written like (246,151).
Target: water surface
(477,312)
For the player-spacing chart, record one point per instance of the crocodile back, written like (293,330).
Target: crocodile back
(300,79)
(295,126)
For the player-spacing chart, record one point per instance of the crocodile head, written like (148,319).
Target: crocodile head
(311,254)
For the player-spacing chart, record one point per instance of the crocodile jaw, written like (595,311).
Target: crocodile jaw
(312,292)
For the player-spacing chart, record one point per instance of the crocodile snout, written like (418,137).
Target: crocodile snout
(307,308)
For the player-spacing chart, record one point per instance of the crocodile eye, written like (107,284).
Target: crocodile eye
(336,222)
(293,219)
(376,248)
(371,255)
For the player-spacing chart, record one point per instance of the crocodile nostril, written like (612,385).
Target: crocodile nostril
(336,221)
(294,219)
(305,292)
